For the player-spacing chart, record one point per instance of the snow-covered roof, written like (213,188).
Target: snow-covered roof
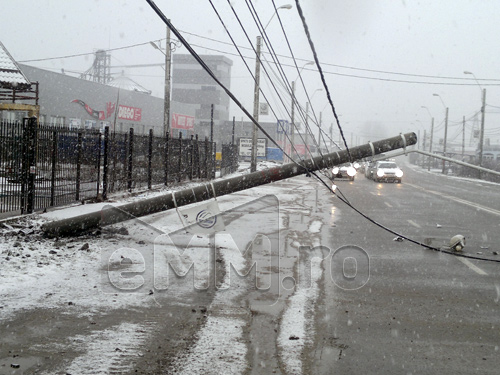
(11,75)
(126,83)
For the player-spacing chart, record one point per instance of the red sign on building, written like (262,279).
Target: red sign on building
(129,113)
(182,122)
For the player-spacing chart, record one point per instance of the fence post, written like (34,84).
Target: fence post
(54,165)
(29,167)
(105,167)
(213,150)
(179,175)
(99,141)
(130,158)
(78,165)
(150,158)
(190,156)
(206,157)
(198,159)
(167,162)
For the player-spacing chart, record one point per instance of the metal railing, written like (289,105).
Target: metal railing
(466,166)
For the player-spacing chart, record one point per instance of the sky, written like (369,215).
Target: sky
(383,60)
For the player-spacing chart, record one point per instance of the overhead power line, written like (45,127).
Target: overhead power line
(485,80)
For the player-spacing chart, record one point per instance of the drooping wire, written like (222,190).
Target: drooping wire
(273,54)
(278,64)
(208,70)
(316,60)
(211,73)
(265,71)
(404,237)
(300,76)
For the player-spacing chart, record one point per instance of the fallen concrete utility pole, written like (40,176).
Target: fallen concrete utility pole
(79,224)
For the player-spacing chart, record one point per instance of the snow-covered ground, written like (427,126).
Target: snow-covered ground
(65,274)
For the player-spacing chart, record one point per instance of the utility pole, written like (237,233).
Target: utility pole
(212,123)
(481,134)
(319,131)
(430,144)
(307,127)
(232,136)
(292,130)
(217,188)
(463,138)
(166,109)
(444,142)
(253,163)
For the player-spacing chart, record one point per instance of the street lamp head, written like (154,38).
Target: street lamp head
(286,6)
(467,72)
(155,46)
(435,95)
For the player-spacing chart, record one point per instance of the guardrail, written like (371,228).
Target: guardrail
(451,160)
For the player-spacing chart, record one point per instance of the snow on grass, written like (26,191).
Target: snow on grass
(43,276)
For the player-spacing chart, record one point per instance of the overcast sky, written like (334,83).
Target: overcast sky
(383,59)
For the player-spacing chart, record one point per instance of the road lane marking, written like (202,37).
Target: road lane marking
(371,192)
(459,200)
(414,224)
(388,204)
(472,266)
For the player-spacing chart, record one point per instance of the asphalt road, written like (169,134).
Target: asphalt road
(421,311)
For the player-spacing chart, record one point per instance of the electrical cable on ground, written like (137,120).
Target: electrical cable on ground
(345,201)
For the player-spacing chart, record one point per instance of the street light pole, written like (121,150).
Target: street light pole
(168,66)
(253,162)
(430,141)
(445,132)
(292,125)
(481,134)
(319,130)
(307,130)
(430,144)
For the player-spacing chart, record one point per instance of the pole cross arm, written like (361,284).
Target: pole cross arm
(113,215)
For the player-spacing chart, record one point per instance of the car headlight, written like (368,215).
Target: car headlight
(380,173)
(399,173)
(356,165)
(351,172)
(335,170)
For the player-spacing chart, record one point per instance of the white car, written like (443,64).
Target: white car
(344,171)
(387,171)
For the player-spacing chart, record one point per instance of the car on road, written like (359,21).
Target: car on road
(369,169)
(346,171)
(387,171)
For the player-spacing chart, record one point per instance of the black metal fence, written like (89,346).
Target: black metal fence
(229,162)
(43,166)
